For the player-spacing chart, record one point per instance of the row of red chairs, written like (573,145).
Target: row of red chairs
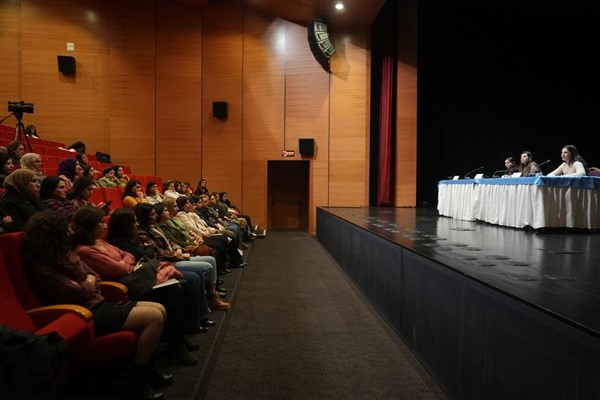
(21,309)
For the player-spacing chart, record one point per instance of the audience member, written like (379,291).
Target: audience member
(133,194)
(77,147)
(53,194)
(58,275)
(573,164)
(81,194)
(201,189)
(6,166)
(69,170)
(122,233)
(108,178)
(110,262)
(153,195)
(120,175)
(33,162)
(90,172)
(30,130)
(16,150)
(148,232)
(21,199)
(169,190)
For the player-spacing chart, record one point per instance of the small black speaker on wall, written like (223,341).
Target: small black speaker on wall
(220,109)
(66,64)
(307,147)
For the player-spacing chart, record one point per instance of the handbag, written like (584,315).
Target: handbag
(140,281)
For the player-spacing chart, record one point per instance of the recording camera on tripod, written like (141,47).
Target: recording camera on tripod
(17,108)
(20,107)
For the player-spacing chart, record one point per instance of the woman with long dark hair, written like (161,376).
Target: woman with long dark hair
(573,164)
(54,195)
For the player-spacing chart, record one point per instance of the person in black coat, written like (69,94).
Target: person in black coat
(21,199)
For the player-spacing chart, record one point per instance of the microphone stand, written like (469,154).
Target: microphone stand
(475,170)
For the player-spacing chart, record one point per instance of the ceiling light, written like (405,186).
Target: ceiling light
(339,6)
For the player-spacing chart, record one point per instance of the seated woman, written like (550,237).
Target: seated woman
(201,189)
(510,167)
(133,194)
(110,262)
(187,215)
(6,166)
(58,275)
(178,238)
(21,199)
(224,214)
(169,190)
(54,196)
(148,232)
(16,150)
(81,193)
(77,147)
(573,164)
(33,162)
(108,178)
(69,170)
(120,175)
(90,172)
(153,195)
(528,167)
(82,159)
(122,233)
(218,243)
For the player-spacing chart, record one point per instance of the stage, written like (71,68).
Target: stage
(491,311)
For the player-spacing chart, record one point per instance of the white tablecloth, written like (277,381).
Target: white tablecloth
(520,202)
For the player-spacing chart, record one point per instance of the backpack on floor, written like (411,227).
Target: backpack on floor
(30,364)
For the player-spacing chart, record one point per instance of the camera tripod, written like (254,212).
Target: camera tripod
(20,129)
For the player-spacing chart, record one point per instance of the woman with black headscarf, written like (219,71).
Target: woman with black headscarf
(21,199)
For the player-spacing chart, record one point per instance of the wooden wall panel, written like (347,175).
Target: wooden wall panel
(406,139)
(263,105)
(133,84)
(349,132)
(307,112)
(10,56)
(178,92)
(222,81)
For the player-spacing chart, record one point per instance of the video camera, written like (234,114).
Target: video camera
(20,107)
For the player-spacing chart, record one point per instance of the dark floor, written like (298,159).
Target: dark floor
(556,271)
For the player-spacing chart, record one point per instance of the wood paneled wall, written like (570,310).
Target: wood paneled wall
(148,72)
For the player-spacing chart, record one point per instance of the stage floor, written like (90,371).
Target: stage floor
(556,272)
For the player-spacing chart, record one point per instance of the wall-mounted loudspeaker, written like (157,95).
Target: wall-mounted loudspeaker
(318,40)
(307,146)
(220,109)
(66,64)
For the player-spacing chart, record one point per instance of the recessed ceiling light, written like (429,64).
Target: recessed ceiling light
(339,6)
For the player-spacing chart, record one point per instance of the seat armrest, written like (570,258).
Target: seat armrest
(46,314)
(114,291)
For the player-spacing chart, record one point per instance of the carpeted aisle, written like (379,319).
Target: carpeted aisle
(299,329)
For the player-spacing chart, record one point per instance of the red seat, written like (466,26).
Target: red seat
(97,196)
(113,194)
(114,347)
(51,162)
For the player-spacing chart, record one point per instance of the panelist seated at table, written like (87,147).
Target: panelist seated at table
(573,164)
(510,167)
(528,167)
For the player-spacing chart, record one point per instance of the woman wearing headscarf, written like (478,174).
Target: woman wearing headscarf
(33,162)
(69,170)
(21,199)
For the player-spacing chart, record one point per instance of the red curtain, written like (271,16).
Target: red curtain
(387,127)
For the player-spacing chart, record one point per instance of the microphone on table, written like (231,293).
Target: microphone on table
(475,170)
(502,171)
(544,163)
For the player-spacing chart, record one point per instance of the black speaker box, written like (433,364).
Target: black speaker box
(66,64)
(307,147)
(220,109)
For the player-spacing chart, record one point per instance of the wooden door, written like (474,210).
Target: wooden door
(288,194)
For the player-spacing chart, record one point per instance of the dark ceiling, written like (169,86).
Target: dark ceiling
(356,13)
